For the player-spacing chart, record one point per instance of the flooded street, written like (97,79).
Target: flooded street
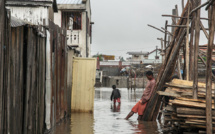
(108,118)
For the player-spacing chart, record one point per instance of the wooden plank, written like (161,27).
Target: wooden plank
(12,83)
(211,16)
(192,111)
(2,35)
(189,104)
(196,52)
(169,108)
(21,76)
(168,94)
(187,83)
(193,116)
(193,100)
(7,85)
(28,80)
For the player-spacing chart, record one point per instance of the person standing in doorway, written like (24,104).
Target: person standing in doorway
(141,105)
(115,96)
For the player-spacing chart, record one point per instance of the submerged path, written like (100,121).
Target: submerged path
(105,120)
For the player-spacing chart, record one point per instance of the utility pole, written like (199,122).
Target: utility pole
(2,33)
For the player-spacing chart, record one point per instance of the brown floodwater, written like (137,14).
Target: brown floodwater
(108,118)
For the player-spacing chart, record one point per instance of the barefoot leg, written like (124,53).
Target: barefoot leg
(129,115)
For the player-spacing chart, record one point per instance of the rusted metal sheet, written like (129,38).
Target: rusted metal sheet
(59,60)
(17,22)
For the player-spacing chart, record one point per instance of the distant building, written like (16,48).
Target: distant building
(35,12)
(75,16)
(203,51)
(146,57)
(137,56)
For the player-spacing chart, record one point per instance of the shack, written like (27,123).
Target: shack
(34,68)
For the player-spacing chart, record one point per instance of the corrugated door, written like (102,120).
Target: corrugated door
(84,72)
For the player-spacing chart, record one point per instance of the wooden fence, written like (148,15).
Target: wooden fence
(24,91)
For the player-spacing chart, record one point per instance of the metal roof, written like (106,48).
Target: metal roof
(69,1)
(15,22)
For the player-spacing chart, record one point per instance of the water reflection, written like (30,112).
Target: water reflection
(82,123)
(115,107)
(109,118)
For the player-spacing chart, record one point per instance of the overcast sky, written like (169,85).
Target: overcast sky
(121,25)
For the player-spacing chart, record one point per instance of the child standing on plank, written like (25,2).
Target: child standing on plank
(115,95)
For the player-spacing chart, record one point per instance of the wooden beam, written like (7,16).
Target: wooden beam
(196,52)
(187,44)
(191,49)
(209,4)
(211,15)
(165,34)
(199,6)
(156,28)
(175,16)
(167,31)
(182,4)
(161,39)
(204,30)
(181,26)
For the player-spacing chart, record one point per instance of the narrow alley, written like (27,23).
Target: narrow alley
(107,118)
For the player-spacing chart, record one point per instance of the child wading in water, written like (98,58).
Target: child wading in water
(115,95)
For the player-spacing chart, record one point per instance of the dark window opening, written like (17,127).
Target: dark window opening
(76,18)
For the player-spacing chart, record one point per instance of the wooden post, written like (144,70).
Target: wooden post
(211,15)
(2,37)
(173,20)
(165,36)
(196,52)
(204,30)
(191,45)
(179,67)
(162,49)
(182,4)
(187,43)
